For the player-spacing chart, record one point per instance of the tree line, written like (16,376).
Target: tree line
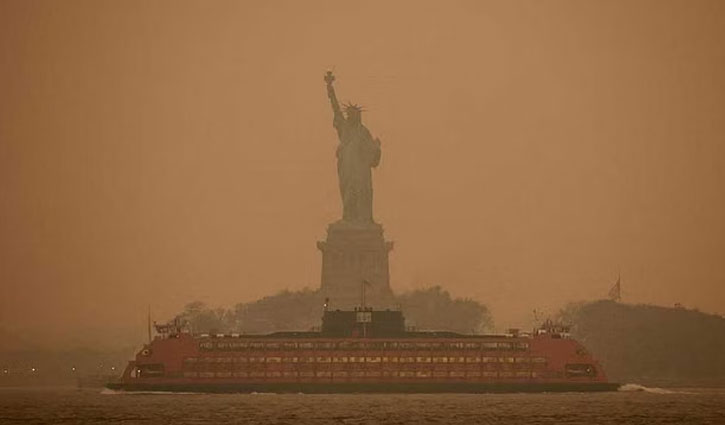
(431,308)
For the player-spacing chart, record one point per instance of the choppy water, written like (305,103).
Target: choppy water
(634,404)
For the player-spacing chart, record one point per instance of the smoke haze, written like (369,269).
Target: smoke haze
(170,151)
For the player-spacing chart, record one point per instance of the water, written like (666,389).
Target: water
(633,404)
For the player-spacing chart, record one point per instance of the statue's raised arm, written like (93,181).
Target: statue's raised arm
(338,119)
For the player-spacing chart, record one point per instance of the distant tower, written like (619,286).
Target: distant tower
(355,250)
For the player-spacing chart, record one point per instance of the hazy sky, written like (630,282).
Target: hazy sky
(162,152)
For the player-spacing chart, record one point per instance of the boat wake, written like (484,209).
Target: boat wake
(642,388)
(107,391)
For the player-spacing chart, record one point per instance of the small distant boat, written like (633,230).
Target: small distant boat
(363,351)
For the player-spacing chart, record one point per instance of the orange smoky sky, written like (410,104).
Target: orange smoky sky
(169,151)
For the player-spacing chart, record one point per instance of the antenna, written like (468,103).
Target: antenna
(363,284)
(148,323)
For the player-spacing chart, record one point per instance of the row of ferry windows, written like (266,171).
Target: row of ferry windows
(365,374)
(355,345)
(367,359)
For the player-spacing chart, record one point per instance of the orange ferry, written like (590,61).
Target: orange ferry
(363,351)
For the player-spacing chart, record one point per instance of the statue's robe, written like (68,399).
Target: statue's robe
(357,153)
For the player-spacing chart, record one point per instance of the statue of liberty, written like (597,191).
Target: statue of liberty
(356,154)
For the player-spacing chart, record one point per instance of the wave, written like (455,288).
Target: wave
(642,388)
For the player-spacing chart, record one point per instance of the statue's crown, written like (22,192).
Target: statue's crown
(353,107)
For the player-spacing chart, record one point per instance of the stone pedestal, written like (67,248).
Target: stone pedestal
(353,254)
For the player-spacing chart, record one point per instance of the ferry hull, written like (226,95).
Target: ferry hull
(355,387)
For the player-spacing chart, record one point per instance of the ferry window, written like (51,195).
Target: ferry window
(274,359)
(508,359)
(407,359)
(256,345)
(324,374)
(490,359)
(272,345)
(306,345)
(406,345)
(384,359)
(472,345)
(455,345)
(440,359)
(422,374)
(392,345)
(504,345)
(435,345)
(422,359)
(342,359)
(323,360)
(289,345)
(423,345)
(372,359)
(236,345)
(538,359)
(521,346)
(150,370)
(489,345)
(325,345)
(522,360)
(473,360)
(206,346)
(190,360)
(344,345)
(580,370)
(406,374)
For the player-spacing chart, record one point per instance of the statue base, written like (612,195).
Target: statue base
(355,266)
